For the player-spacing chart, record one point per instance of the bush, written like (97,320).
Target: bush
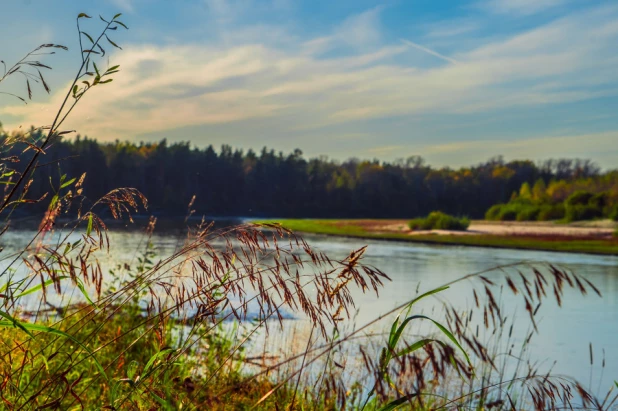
(508,214)
(598,200)
(551,212)
(519,210)
(582,212)
(438,220)
(579,198)
(494,212)
(613,214)
(529,213)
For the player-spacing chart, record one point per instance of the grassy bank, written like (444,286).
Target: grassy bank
(354,228)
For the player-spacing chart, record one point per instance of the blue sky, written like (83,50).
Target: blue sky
(453,81)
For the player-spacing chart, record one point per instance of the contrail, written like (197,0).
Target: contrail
(429,51)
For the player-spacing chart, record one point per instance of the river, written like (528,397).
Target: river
(564,332)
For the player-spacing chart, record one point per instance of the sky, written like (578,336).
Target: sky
(455,82)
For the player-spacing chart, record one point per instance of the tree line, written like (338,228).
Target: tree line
(269,183)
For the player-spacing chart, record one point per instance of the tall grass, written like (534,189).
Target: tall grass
(175,331)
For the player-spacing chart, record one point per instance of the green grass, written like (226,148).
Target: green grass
(351,228)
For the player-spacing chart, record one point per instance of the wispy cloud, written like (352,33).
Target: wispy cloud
(520,7)
(298,87)
(362,30)
(429,51)
(384,150)
(125,6)
(539,147)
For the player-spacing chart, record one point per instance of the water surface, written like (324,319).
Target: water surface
(564,332)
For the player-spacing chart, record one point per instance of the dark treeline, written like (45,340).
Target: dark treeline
(231,182)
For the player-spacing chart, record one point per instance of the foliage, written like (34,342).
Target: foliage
(578,198)
(551,212)
(438,220)
(234,182)
(573,200)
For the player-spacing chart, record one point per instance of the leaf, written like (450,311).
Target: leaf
(102,51)
(75,88)
(121,23)
(116,16)
(398,402)
(416,346)
(68,183)
(112,43)
(15,323)
(65,132)
(393,336)
(89,228)
(109,80)
(78,283)
(132,369)
(453,339)
(38,287)
(81,287)
(88,36)
(152,359)
(43,81)
(96,69)
(53,202)
(84,15)
(29,89)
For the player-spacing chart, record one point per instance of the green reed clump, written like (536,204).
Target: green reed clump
(438,220)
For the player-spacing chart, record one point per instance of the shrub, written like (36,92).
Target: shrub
(494,212)
(551,212)
(598,200)
(529,213)
(438,220)
(508,213)
(578,198)
(613,214)
(582,212)
(419,224)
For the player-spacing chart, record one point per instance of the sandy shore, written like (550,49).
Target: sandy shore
(602,229)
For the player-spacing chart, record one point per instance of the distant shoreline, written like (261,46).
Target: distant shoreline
(586,238)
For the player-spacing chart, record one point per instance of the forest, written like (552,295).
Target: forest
(267,183)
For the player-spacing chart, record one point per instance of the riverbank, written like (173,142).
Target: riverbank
(586,238)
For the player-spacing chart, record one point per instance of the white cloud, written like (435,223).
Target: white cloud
(520,7)
(299,88)
(539,147)
(362,30)
(124,5)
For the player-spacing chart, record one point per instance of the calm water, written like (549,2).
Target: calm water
(565,333)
